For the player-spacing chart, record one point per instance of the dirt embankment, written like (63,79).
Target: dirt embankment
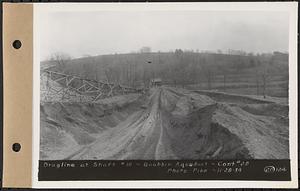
(261,127)
(242,99)
(66,127)
(173,124)
(191,122)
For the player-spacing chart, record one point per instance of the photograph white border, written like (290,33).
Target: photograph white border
(291,7)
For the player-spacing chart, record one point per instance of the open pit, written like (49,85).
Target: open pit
(166,123)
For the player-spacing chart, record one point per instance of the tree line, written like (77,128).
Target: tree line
(177,68)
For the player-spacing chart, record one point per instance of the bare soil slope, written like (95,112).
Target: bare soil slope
(166,123)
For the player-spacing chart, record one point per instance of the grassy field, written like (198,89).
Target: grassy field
(276,86)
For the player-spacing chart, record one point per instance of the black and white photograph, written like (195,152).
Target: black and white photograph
(153,82)
(164,85)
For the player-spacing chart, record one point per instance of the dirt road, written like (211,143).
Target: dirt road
(142,135)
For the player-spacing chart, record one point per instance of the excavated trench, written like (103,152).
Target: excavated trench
(65,127)
(168,124)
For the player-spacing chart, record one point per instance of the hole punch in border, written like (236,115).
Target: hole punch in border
(16,147)
(17,44)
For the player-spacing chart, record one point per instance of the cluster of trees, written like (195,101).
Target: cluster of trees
(178,68)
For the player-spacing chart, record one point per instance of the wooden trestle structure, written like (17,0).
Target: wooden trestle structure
(55,86)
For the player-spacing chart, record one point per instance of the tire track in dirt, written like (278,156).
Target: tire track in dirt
(147,125)
(175,125)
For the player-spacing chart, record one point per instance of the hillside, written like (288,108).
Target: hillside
(205,108)
(246,74)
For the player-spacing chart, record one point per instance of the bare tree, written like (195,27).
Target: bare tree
(112,76)
(207,73)
(224,70)
(257,83)
(264,75)
(145,49)
(60,59)
(257,65)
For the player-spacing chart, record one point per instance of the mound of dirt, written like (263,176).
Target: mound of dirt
(259,133)
(183,106)
(276,110)
(56,143)
(66,127)
(233,98)
(200,138)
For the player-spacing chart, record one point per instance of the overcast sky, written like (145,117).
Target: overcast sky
(106,32)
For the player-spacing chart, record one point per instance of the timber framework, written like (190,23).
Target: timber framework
(57,86)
